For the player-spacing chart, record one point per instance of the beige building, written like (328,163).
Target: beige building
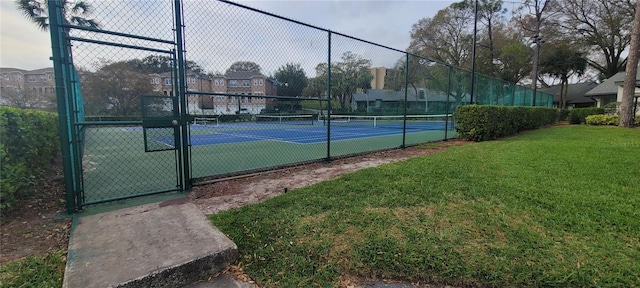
(246,85)
(378,77)
(35,86)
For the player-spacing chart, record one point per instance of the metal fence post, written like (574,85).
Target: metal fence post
(181,93)
(446,109)
(329,97)
(59,52)
(406,89)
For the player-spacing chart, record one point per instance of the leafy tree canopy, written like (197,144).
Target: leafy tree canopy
(294,78)
(241,66)
(37,11)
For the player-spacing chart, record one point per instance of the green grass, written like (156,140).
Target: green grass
(552,207)
(38,271)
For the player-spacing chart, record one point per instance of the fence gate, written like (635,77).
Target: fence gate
(134,143)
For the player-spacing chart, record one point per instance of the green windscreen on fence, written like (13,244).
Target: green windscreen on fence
(256,92)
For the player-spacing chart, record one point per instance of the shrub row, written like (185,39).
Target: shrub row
(28,143)
(578,115)
(602,119)
(485,122)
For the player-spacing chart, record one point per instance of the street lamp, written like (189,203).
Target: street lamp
(537,40)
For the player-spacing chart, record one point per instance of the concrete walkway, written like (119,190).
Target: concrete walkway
(165,244)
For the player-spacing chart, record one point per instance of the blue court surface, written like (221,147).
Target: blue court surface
(304,134)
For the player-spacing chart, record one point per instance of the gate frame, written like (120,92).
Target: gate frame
(70,125)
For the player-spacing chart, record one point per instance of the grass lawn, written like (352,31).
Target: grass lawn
(35,271)
(553,207)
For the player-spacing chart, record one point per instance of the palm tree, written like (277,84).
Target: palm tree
(36,11)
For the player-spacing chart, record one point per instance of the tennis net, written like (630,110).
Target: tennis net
(207,121)
(300,119)
(415,122)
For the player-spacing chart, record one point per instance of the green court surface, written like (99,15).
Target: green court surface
(116,165)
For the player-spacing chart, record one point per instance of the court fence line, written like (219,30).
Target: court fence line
(166,94)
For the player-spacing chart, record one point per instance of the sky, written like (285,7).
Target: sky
(239,34)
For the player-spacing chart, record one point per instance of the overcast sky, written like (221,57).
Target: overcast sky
(387,23)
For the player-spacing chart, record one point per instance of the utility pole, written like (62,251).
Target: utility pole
(537,40)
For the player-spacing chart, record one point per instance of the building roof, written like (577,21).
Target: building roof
(610,86)
(575,92)
(36,71)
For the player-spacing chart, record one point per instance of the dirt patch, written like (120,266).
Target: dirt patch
(233,193)
(34,227)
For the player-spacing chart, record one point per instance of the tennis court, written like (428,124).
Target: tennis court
(303,129)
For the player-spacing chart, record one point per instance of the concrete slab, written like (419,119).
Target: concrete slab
(166,244)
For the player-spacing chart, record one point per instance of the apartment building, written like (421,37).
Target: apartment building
(27,84)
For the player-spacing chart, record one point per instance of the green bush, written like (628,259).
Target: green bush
(485,122)
(602,119)
(28,143)
(578,115)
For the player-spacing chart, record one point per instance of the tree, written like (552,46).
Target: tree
(37,11)
(562,62)
(244,66)
(603,27)
(316,88)
(294,78)
(346,77)
(513,62)
(489,13)
(630,82)
(29,98)
(445,37)
(156,64)
(115,89)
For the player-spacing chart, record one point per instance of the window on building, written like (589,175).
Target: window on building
(167,81)
(245,83)
(216,82)
(43,78)
(32,78)
(49,76)
(40,90)
(221,82)
(261,82)
(233,83)
(6,76)
(255,82)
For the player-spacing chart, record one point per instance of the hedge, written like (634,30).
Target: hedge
(578,115)
(602,119)
(28,143)
(486,122)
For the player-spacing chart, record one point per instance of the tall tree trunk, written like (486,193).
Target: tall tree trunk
(628,92)
(564,89)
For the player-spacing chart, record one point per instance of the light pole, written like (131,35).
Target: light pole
(537,40)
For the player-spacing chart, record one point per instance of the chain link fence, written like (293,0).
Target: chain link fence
(231,90)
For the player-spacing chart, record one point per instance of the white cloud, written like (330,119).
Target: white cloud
(22,44)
